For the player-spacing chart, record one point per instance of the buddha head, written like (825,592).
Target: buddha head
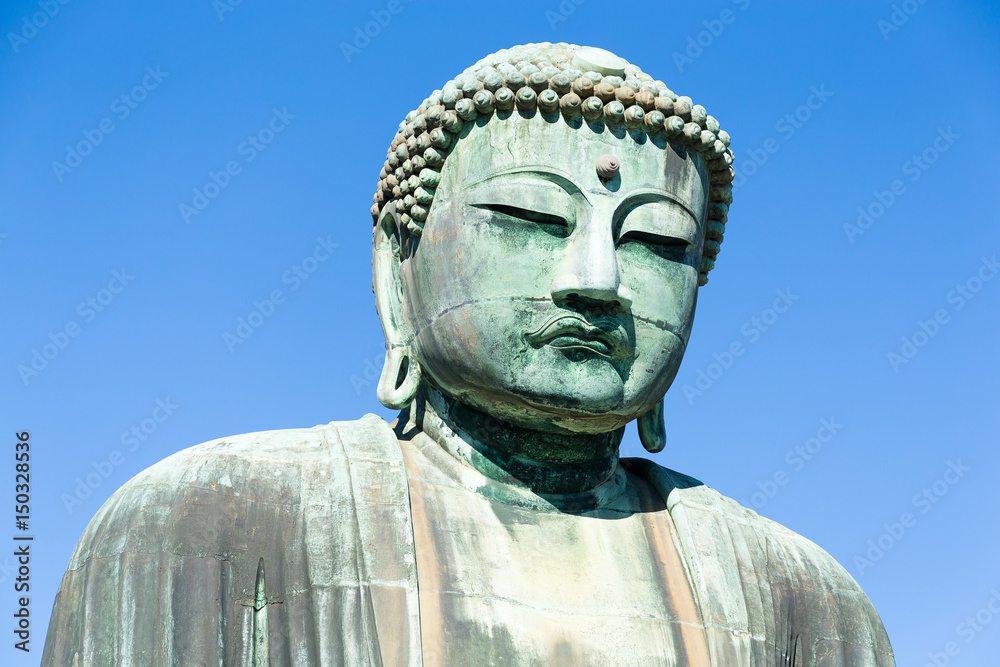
(542,225)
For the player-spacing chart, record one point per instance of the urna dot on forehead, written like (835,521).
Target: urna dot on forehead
(556,80)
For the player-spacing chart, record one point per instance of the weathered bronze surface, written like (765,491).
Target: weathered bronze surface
(542,226)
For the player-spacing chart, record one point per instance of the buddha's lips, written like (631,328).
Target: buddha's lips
(572,331)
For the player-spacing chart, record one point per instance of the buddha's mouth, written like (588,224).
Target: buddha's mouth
(578,342)
(573,332)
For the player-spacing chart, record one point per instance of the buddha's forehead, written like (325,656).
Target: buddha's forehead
(517,145)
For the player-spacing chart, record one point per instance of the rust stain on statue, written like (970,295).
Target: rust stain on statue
(428,580)
(678,593)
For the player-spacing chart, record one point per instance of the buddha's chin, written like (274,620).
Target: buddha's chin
(547,388)
(548,404)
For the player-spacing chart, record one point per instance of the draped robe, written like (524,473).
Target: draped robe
(297,548)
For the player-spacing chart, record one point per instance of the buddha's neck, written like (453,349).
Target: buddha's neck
(541,462)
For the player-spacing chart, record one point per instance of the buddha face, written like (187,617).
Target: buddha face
(545,294)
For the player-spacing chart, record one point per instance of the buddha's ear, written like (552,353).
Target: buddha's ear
(401,373)
(652,431)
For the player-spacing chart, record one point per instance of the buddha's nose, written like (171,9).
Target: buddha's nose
(589,272)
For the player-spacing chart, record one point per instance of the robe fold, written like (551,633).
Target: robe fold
(295,548)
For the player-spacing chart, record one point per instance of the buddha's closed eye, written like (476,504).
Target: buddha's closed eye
(667,247)
(552,224)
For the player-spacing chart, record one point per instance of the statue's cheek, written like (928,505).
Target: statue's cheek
(664,288)
(657,360)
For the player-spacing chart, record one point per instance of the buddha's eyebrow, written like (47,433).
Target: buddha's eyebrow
(550,174)
(644,195)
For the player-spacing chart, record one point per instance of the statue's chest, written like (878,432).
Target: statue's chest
(501,585)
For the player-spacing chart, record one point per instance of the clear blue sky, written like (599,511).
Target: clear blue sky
(833,107)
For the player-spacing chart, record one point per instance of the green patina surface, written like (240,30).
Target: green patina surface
(537,290)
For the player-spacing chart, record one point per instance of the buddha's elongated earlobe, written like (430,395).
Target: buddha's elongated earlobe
(401,373)
(652,431)
(400,379)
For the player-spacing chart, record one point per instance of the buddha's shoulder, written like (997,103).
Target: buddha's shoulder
(722,528)
(206,493)
(234,461)
(756,574)
(285,448)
